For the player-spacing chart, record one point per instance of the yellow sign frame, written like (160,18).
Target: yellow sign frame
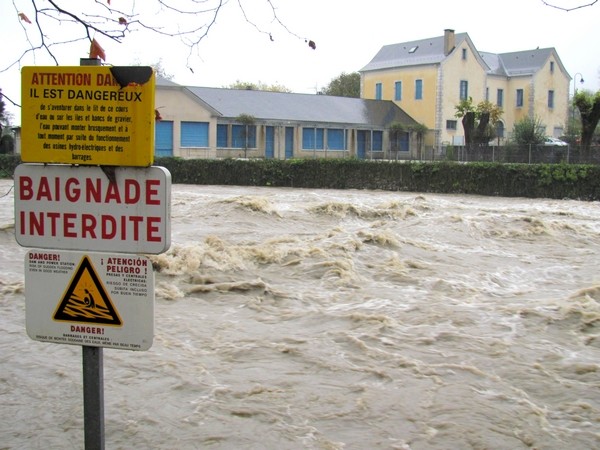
(88,115)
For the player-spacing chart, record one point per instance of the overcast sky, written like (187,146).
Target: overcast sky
(347,36)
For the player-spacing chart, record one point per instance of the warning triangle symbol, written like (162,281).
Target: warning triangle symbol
(86,299)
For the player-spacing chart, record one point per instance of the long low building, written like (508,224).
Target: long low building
(202,122)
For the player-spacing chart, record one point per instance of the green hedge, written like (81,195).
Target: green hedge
(8,164)
(508,180)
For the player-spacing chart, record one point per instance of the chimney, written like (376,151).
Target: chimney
(449,42)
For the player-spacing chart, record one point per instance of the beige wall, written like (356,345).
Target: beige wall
(175,105)
(424,110)
(512,112)
(535,96)
(453,70)
(555,119)
(420,110)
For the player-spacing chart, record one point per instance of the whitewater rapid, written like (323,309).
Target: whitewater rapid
(330,319)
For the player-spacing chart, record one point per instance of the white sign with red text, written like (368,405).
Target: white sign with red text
(78,208)
(91,299)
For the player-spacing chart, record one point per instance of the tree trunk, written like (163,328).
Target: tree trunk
(468,122)
(481,135)
(588,126)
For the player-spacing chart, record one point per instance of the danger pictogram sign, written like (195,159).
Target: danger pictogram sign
(91,299)
(86,299)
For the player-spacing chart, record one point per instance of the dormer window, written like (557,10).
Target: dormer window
(413,49)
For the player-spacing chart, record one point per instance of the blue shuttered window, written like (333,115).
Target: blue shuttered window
(237,136)
(377,141)
(378,91)
(464,89)
(289,142)
(403,138)
(222,135)
(499,129)
(163,140)
(324,139)
(500,97)
(269,141)
(194,134)
(242,139)
(312,138)
(398,91)
(418,89)
(519,98)
(335,139)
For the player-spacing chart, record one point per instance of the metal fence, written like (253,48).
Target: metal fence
(528,154)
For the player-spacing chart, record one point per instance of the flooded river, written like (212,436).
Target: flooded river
(328,319)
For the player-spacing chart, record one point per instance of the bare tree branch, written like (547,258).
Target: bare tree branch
(91,19)
(4,96)
(87,24)
(567,8)
(281,24)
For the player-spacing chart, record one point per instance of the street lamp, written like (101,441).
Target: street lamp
(575,90)
(581,80)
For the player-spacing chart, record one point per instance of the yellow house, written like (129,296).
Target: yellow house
(429,77)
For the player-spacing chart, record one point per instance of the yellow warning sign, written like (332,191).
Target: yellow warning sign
(94,115)
(86,300)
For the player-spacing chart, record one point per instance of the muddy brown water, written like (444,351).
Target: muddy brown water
(328,319)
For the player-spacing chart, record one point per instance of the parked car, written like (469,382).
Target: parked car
(553,142)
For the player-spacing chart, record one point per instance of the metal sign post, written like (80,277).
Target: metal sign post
(93,397)
(93,392)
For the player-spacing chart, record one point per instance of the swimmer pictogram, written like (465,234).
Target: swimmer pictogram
(86,300)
